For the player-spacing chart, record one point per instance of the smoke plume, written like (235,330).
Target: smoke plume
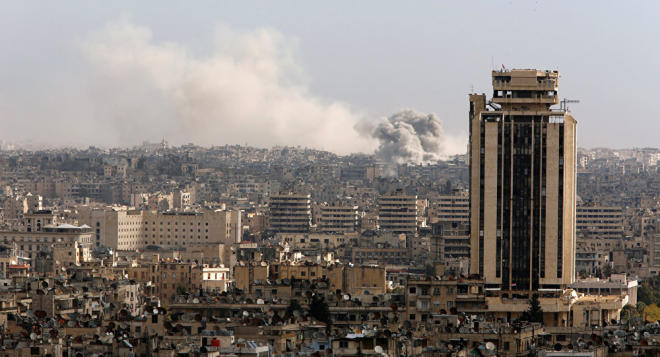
(122,86)
(408,137)
(243,87)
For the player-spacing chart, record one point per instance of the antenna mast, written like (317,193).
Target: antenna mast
(563,105)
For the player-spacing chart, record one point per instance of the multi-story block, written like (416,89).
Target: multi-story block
(429,297)
(71,242)
(290,212)
(450,227)
(398,212)
(338,218)
(130,230)
(599,222)
(522,183)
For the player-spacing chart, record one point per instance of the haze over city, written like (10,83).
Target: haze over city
(318,75)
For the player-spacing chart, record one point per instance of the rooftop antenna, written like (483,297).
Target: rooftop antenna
(563,105)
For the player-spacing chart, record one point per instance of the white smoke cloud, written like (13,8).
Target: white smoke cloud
(246,88)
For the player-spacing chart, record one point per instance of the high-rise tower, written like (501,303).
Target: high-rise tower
(522,184)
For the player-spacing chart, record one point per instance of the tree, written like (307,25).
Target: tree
(535,312)
(319,309)
(627,312)
(652,313)
(640,308)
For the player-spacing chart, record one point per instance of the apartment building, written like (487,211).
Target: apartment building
(450,208)
(426,298)
(72,242)
(599,222)
(168,278)
(337,217)
(450,227)
(319,241)
(398,212)
(354,280)
(290,212)
(124,229)
(654,247)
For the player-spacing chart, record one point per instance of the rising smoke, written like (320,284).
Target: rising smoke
(246,88)
(408,137)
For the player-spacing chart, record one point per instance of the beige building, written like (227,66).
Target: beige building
(654,247)
(320,241)
(354,280)
(337,217)
(290,212)
(168,278)
(522,183)
(429,297)
(450,208)
(124,229)
(71,242)
(599,222)
(450,227)
(398,212)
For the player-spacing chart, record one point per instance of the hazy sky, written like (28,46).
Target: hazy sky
(308,72)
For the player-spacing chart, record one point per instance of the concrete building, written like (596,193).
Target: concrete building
(615,285)
(429,297)
(599,222)
(654,248)
(522,183)
(124,229)
(290,212)
(71,242)
(338,218)
(35,221)
(398,212)
(450,227)
(450,208)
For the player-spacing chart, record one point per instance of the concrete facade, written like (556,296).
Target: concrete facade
(522,183)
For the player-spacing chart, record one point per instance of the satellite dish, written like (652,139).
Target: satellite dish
(33,336)
(155,311)
(246,314)
(490,346)
(346,297)
(378,349)
(260,301)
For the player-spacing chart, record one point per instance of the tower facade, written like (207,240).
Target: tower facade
(522,184)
